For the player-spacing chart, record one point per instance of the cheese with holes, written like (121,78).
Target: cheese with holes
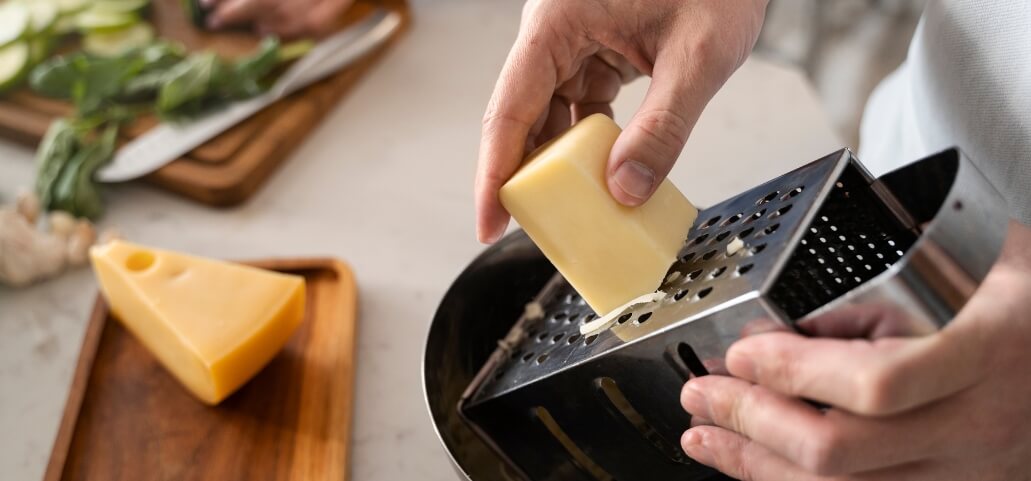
(610,253)
(212,324)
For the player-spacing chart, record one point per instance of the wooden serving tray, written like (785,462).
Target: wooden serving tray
(229,168)
(128,419)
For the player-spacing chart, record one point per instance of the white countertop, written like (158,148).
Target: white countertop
(386,184)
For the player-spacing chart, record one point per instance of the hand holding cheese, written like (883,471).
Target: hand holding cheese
(609,252)
(212,324)
(571,58)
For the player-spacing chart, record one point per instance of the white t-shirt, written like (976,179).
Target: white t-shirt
(966,82)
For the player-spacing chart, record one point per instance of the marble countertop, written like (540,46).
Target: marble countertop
(386,184)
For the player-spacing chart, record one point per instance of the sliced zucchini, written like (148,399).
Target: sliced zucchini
(42,14)
(14,22)
(65,25)
(120,6)
(14,64)
(39,48)
(71,7)
(92,20)
(117,42)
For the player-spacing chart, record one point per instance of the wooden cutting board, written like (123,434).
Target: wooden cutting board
(127,419)
(231,167)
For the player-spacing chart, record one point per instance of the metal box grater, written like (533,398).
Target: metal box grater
(556,405)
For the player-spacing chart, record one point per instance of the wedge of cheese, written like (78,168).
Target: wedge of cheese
(610,253)
(212,324)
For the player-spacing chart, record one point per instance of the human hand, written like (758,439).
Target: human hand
(953,405)
(569,61)
(286,19)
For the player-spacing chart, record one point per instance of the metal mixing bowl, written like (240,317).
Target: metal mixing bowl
(479,308)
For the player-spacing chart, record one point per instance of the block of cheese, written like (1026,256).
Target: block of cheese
(212,324)
(610,253)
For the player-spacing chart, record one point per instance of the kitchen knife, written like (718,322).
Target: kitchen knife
(168,141)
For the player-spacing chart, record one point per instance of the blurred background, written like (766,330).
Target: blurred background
(844,46)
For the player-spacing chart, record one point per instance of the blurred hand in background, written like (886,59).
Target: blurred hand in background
(285,19)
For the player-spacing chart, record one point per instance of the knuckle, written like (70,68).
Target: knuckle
(666,127)
(876,391)
(746,461)
(820,452)
(784,373)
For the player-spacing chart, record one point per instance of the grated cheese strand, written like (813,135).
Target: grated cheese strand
(606,321)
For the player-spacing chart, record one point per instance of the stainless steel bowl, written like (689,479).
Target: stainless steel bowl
(479,308)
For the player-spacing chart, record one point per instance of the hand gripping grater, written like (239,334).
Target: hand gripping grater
(557,405)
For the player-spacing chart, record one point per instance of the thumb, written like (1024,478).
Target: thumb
(649,146)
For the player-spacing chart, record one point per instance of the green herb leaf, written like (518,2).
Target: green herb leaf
(188,81)
(58,146)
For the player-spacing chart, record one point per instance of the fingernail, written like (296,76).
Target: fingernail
(695,402)
(695,449)
(635,179)
(488,237)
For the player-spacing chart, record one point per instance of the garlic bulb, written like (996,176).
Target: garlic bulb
(82,237)
(26,254)
(61,223)
(28,206)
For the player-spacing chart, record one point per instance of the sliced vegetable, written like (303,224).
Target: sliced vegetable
(39,48)
(65,25)
(42,15)
(93,20)
(15,60)
(120,6)
(117,42)
(14,22)
(69,7)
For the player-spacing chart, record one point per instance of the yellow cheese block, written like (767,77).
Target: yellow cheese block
(212,324)
(610,253)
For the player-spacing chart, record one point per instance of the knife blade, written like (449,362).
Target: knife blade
(167,141)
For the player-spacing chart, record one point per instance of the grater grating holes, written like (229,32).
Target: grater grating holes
(793,193)
(767,198)
(711,222)
(850,241)
(704,259)
(781,211)
(732,220)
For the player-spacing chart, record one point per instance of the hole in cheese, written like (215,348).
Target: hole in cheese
(139,261)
